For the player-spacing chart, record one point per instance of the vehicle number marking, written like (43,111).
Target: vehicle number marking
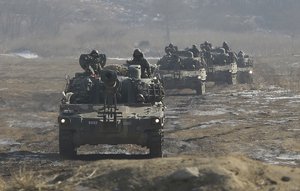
(93,122)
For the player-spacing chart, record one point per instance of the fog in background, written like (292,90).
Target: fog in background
(71,27)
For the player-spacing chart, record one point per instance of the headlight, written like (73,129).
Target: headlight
(250,72)
(199,77)
(156,120)
(64,121)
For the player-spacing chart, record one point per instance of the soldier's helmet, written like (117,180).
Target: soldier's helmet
(137,53)
(94,53)
(222,50)
(194,46)
(171,45)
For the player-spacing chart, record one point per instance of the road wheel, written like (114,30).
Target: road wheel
(155,145)
(66,145)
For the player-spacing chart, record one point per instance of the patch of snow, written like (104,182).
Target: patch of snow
(284,97)
(288,157)
(276,156)
(296,64)
(29,124)
(8,142)
(26,54)
(218,111)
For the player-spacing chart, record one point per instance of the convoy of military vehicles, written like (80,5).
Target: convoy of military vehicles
(123,104)
(182,70)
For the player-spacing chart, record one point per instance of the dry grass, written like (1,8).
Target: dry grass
(2,185)
(26,181)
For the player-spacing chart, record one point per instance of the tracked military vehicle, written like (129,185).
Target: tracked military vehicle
(181,70)
(221,68)
(111,109)
(245,68)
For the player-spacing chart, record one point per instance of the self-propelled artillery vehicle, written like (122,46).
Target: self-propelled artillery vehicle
(111,109)
(180,70)
(245,65)
(221,67)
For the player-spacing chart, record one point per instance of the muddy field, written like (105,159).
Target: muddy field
(243,137)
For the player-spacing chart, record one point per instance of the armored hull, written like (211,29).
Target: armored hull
(245,70)
(181,70)
(222,74)
(81,124)
(181,79)
(115,110)
(245,75)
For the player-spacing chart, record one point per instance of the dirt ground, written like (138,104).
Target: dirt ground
(242,137)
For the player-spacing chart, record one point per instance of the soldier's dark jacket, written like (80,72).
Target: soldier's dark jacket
(145,66)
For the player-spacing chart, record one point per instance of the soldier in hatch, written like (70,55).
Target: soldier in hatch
(226,47)
(138,59)
(207,57)
(206,46)
(231,57)
(241,54)
(93,62)
(241,59)
(195,51)
(170,49)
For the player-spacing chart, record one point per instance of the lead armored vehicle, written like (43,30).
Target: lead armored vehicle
(221,67)
(180,70)
(111,109)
